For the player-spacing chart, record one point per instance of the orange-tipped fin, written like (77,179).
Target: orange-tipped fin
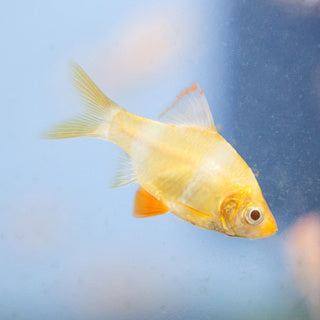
(146,205)
(190,108)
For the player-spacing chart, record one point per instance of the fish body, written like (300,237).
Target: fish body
(183,166)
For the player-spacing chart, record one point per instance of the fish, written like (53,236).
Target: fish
(180,162)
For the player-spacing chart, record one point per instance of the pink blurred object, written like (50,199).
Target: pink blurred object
(302,247)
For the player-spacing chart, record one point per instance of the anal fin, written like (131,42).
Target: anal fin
(146,205)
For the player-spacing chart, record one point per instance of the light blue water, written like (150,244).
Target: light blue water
(69,246)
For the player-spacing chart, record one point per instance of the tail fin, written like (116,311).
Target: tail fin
(95,120)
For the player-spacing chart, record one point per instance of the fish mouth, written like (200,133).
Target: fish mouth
(269,227)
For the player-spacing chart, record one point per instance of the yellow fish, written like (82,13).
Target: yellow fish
(183,165)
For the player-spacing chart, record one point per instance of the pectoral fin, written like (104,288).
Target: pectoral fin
(146,205)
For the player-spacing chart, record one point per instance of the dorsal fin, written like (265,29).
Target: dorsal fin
(190,108)
(146,205)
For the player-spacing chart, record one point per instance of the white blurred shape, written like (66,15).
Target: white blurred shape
(299,7)
(302,247)
(34,224)
(118,287)
(304,3)
(117,293)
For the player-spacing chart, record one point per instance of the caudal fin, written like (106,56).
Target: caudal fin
(96,118)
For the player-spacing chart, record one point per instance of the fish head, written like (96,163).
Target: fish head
(245,214)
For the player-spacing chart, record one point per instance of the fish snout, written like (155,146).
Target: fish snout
(269,226)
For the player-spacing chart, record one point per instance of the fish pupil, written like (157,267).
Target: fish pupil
(255,215)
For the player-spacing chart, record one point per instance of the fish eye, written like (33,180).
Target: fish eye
(254,215)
